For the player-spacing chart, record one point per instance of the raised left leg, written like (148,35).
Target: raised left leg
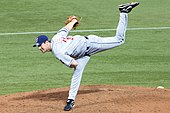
(98,44)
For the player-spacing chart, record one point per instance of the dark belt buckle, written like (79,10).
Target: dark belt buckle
(86,37)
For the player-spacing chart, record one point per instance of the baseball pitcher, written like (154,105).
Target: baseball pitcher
(75,51)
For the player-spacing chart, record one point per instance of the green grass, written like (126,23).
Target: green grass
(144,60)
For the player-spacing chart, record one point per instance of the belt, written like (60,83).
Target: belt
(86,37)
(86,54)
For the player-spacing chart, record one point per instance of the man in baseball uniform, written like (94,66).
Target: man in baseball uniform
(75,51)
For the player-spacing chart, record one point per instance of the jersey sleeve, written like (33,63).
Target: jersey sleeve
(63,32)
(65,59)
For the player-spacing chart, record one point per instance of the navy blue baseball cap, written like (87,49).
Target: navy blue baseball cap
(40,39)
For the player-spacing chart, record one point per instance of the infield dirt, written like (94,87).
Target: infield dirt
(90,99)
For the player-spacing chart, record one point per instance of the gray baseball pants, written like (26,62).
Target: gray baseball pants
(97,44)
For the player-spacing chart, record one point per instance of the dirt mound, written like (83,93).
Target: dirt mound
(91,99)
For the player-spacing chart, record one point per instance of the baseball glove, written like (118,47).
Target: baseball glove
(70,18)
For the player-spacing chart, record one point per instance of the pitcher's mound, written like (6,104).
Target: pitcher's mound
(90,99)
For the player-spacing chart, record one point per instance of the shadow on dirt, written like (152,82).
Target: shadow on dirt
(54,96)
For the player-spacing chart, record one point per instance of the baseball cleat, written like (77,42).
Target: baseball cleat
(69,105)
(126,8)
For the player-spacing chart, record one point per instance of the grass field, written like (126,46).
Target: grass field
(144,60)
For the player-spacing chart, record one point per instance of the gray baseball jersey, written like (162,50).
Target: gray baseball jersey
(66,48)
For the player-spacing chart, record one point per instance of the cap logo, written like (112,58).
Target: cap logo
(40,39)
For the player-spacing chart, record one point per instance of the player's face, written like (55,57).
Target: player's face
(44,47)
